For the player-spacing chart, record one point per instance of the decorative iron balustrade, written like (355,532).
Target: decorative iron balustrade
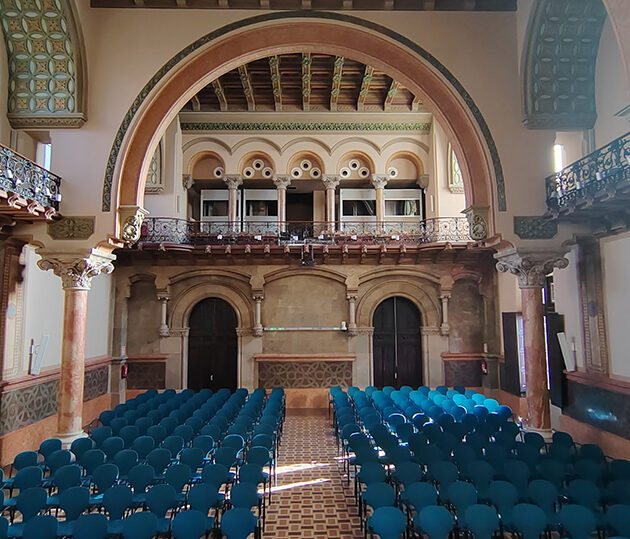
(21,176)
(590,175)
(181,231)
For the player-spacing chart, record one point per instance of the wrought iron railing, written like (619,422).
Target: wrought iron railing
(590,175)
(21,176)
(181,231)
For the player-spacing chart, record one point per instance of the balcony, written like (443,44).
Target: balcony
(28,192)
(308,243)
(595,189)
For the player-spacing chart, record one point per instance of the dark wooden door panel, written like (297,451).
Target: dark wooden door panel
(212,346)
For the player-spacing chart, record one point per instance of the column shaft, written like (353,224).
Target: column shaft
(70,406)
(535,359)
(233,207)
(380,206)
(330,209)
(282,208)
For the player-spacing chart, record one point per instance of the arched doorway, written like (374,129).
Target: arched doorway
(212,345)
(397,347)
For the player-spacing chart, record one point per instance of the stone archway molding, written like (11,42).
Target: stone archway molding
(214,54)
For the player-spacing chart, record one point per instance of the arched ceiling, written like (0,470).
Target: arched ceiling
(304,82)
(559,64)
(45,60)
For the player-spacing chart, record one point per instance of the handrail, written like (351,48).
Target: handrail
(182,231)
(606,166)
(21,176)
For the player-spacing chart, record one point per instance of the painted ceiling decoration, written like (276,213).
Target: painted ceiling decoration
(45,60)
(559,64)
(399,5)
(304,82)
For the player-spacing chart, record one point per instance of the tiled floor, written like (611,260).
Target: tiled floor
(311,499)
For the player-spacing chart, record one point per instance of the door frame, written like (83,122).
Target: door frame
(184,365)
(423,343)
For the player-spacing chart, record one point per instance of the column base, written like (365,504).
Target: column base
(547,434)
(68,438)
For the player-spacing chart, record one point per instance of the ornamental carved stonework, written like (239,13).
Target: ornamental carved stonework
(72,228)
(530,267)
(131,218)
(532,227)
(76,273)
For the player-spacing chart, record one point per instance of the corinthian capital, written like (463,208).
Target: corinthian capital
(281,181)
(76,271)
(233,180)
(530,266)
(131,219)
(331,181)
(379,181)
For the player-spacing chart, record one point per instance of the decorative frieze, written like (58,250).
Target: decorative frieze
(72,228)
(533,227)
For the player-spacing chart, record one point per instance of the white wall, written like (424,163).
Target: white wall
(615,261)
(43,313)
(611,92)
(567,299)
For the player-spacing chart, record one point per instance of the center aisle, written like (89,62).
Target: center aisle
(311,499)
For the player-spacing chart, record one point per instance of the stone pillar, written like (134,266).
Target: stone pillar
(379,181)
(531,267)
(163,299)
(258,327)
(233,181)
(282,181)
(352,314)
(330,181)
(444,298)
(76,274)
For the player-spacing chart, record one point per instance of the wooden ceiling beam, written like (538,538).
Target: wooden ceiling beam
(335,87)
(306,81)
(365,87)
(391,93)
(247,88)
(220,93)
(276,81)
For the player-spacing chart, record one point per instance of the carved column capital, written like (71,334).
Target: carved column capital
(131,219)
(281,181)
(379,181)
(76,272)
(233,180)
(331,181)
(530,267)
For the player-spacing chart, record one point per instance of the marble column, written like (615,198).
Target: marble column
(164,330)
(330,181)
(379,181)
(352,314)
(76,274)
(282,181)
(445,327)
(258,327)
(233,181)
(531,267)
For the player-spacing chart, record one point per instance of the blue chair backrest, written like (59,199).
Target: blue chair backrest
(91,526)
(141,525)
(41,527)
(189,524)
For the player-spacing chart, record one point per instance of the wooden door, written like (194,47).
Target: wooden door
(212,346)
(397,345)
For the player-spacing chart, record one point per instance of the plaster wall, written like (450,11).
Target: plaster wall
(126,47)
(611,92)
(615,261)
(43,309)
(566,287)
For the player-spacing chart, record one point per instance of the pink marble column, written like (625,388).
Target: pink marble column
(76,276)
(233,181)
(379,181)
(70,403)
(282,181)
(330,182)
(538,411)
(531,268)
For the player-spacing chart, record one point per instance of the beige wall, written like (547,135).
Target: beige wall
(615,261)
(610,89)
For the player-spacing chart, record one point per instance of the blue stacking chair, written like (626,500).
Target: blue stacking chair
(117,501)
(528,520)
(29,503)
(141,525)
(203,497)
(161,499)
(387,522)
(482,520)
(90,526)
(73,501)
(578,521)
(435,520)
(239,523)
(40,527)
(189,524)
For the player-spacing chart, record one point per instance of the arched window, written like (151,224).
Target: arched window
(455,179)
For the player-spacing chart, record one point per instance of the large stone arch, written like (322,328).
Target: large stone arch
(398,285)
(278,33)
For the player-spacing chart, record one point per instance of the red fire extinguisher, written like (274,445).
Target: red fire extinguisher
(123,371)
(484,367)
